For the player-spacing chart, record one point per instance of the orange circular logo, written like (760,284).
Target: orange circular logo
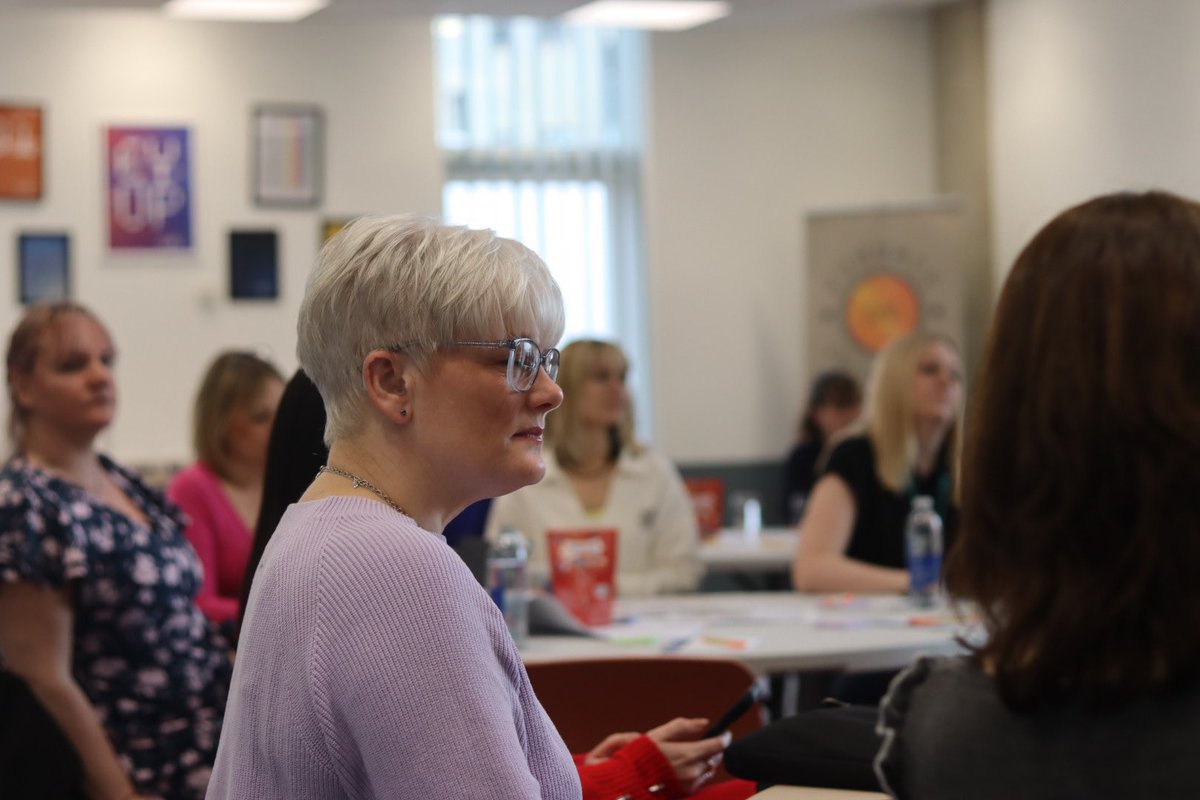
(881,308)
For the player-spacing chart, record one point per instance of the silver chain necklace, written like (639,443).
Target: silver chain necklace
(362,483)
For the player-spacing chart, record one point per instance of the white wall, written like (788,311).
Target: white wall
(750,130)
(168,311)
(1088,97)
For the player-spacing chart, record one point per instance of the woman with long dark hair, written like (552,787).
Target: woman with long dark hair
(1079,543)
(834,401)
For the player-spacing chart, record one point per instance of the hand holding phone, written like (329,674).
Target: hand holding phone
(758,691)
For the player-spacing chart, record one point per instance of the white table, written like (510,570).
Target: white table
(730,550)
(814,793)
(770,632)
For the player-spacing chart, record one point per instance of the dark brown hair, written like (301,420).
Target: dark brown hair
(834,388)
(1080,536)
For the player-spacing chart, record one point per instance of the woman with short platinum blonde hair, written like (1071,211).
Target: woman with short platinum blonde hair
(371,663)
(456,284)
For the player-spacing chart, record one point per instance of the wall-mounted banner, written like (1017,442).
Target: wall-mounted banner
(149,202)
(878,273)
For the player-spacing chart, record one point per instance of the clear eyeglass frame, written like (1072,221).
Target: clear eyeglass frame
(525,358)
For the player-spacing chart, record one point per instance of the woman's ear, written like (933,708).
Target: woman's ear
(18,383)
(387,379)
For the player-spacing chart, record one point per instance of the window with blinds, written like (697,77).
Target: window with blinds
(540,127)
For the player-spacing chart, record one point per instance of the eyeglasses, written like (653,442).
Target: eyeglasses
(524,360)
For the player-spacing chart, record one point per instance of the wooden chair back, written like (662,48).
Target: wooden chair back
(589,699)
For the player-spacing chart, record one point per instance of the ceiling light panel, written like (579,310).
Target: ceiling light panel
(244,10)
(660,15)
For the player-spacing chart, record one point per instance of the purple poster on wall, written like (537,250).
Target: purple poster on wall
(148,194)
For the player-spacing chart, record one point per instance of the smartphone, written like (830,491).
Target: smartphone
(758,691)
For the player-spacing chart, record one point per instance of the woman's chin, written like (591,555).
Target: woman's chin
(94,425)
(527,474)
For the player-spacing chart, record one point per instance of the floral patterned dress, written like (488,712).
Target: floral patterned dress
(143,653)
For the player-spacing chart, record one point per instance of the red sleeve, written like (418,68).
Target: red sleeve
(735,789)
(638,770)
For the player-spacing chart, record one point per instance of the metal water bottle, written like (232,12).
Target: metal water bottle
(508,580)
(923,547)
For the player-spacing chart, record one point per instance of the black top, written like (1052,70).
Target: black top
(800,473)
(878,535)
(947,734)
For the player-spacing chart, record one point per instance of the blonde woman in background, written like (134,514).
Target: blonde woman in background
(597,476)
(906,444)
(222,491)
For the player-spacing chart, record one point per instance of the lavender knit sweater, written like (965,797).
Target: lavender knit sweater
(372,665)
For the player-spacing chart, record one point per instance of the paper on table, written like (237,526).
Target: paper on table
(720,645)
(648,632)
(728,615)
(858,611)
(549,617)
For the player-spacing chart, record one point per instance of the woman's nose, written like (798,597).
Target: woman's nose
(545,393)
(98,372)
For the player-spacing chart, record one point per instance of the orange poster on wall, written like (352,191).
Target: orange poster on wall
(20,152)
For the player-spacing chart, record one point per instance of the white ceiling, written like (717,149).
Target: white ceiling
(744,11)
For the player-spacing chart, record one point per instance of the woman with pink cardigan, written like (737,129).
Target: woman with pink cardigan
(222,491)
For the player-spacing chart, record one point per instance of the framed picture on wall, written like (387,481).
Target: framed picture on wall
(287,142)
(253,265)
(20,152)
(149,188)
(43,267)
(331,227)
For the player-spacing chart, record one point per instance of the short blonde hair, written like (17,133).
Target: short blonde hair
(388,280)
(232,380)
(563,426)
(888,414)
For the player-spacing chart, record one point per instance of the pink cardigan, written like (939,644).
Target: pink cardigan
(220,538)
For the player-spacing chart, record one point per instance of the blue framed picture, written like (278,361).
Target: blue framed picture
(253,265)
(43,267)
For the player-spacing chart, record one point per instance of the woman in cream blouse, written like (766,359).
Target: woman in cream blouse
(597,476)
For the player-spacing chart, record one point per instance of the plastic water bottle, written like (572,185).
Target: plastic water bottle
(508,580)
(752,517)
(747,509)
(923,545)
